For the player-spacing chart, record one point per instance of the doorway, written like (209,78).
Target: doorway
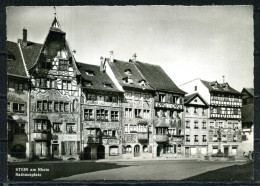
(87,153)
(226,149)
(159,149)
(101,152)
(137,151)
(55,150)
(187,151)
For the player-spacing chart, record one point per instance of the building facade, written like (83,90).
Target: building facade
(101,114)
(196,126)
(224,122)
(248,119)
(17,103)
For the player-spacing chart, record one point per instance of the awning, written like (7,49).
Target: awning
(142,122)
(41,117)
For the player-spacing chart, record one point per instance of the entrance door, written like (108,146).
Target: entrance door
(55,150)
(226,150)
(136,151)
(87,153)
(159,149)
(101,152)
(187,151)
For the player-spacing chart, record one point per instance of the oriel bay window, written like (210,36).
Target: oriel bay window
(114,115)
(88,114)
(40,125)
(71,128)
(102,115)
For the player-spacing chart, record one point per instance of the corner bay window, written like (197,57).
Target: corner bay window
(102,115)
(71,128)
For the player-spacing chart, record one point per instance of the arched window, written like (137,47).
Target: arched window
(128,149)
(145,149)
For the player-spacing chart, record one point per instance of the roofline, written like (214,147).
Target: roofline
(18,76)
(197,94)
(189,82)
(20,49)
(247,91)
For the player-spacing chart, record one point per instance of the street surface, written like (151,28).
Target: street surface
(138,170)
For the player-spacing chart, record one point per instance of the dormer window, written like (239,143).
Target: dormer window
(87,83)
(107,85)
(142,83)
(90,73)
(128,72)
(128,80)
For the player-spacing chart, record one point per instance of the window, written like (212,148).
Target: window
(137,96)
(146,97)
(66,85)
(195,88)
(18,87)
(56,127)
(108,98)
(46,64)
(63,64)
(56,106)
(20,128)
(61,107)
(196,139)
(161,97)
(195,110)
(114,99)
(146,114)
(133,128)
(109,133)
(196,125)
(187,124)
(138,113)
(187,109)
(234,138)
(128,112)
(8,107)
(113,151)
(45,105)
(204,110)
(91,97)
(40,125)
(19,107)
(187,138)
(126,128)
(71,128)
(114,115)
(66,107)
(128,95)
(49,105)
(88,114)
(204,125)
(128,149)
(102,115)
(204,138)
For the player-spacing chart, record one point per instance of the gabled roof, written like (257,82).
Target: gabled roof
(191,97)
(250,91)
(15,65)
(157,77)
(119,68)
(30,52)
(98,80)
(248,113)
(210,86)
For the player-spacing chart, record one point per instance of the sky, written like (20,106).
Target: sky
(205,42)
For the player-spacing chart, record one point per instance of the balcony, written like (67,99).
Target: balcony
(142,136)
(168,105)
(161,138)
(40,136)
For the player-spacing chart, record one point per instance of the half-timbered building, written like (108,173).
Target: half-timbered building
(54,129)
(225,130)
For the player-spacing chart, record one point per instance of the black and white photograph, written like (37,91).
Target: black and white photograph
(130,93)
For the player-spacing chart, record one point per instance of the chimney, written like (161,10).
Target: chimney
(223,79)
(134,57)
(25,36)
(111,56)
(102,65)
